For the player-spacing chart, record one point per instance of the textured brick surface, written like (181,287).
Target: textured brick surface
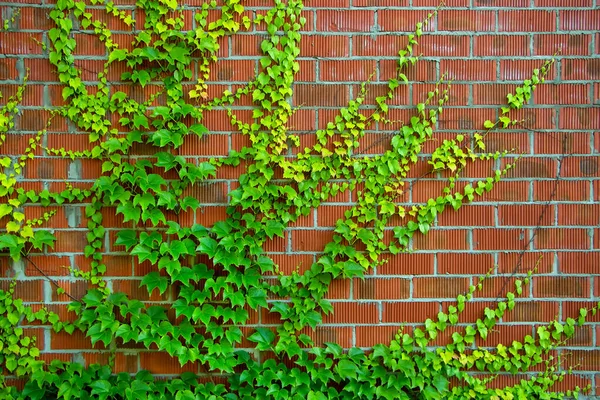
(486,47)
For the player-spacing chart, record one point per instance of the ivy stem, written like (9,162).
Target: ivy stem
(47,277)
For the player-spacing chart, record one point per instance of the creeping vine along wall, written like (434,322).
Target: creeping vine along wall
(171,230)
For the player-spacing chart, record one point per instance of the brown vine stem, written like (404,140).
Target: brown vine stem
(538,226)
(52,281)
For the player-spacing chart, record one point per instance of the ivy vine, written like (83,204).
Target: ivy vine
(212,300)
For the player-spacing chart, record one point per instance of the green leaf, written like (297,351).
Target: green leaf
(256,297)
(177,248)
(198,129)
(346,369)
(208,246)
(32,391)
(101,387)
(127,238)
(41,238)
(189,202)
(263,337)
(140,120)
(145,253)
(272,228)
(153,280)
(179,54)
(353,269)
(440,383)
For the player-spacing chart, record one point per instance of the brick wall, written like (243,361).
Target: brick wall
(549,205)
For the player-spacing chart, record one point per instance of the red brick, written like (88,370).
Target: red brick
(407,264)
(246,45)
(76,341)
(329,334)
(470,215)
(372,335)
(435,3)
(277,243)
(580,118)
(35,18)
(532,311)
(163,364)
(347,71)
(322,3)
(402,20)
(403,312)
(548,45)
(561,191)
(8,69)
(464,263)
(466,20)
(580,69)
(500,239)
(208,216)
(73,289)
(523,262)
(579,214)
(460,70)
(579,20)
(581,166)
(233,70)
(504,334)
(491,94)
(345,20)
(352,313)
(382,288)
(559,143)
(445,45)
(464,118)
(526,21)
(70,241)
(508,191)
(561,286)
(20,43)
(519,70)
(439,287)
(378,3)
(27,290)
(560,238)
(501,3)
(501,45)
(324,46)
(563,3)
(321,95)
(526,215)
(565,94)
(447,239)
(123,362)
(424,70)
(307,240)
(49,265)
(289,262)
(534,168)
(366,45)
(339,289)
(571,309)
(329,215)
